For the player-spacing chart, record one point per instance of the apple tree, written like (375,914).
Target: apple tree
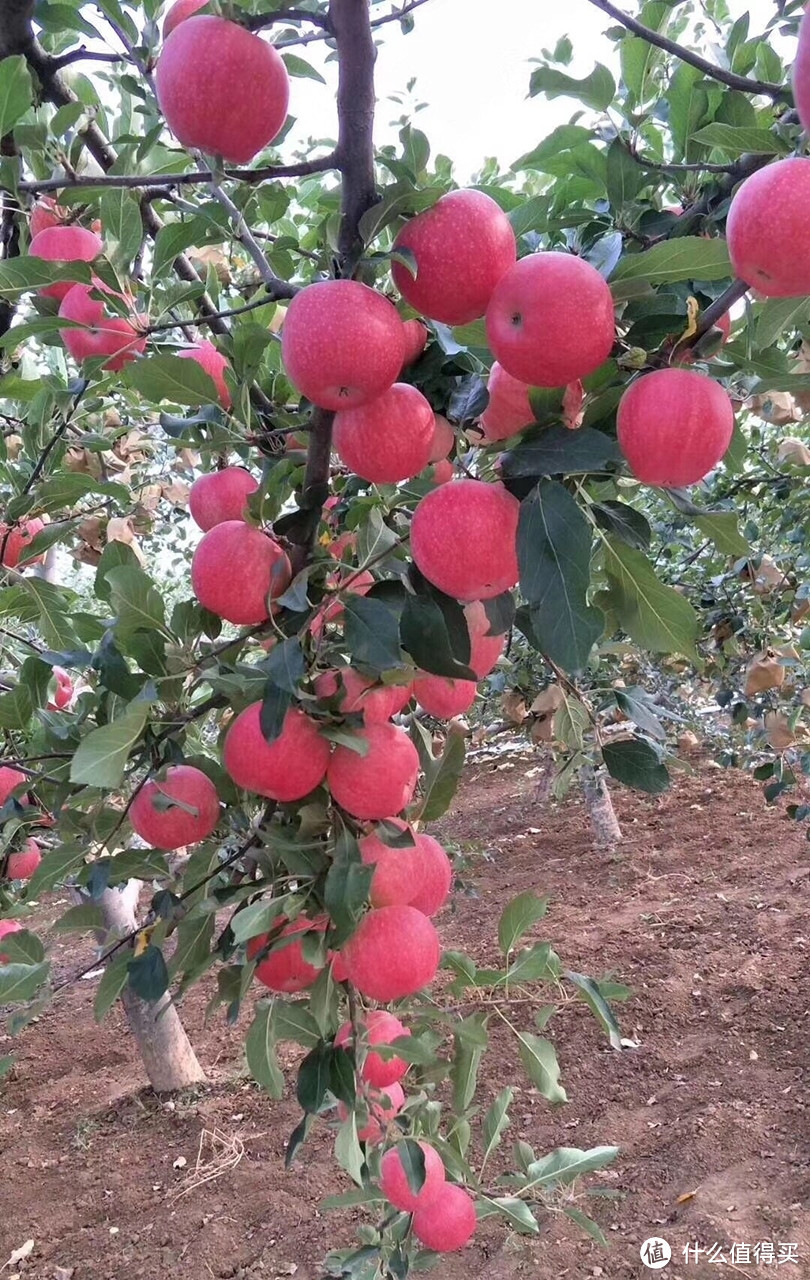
(413,417)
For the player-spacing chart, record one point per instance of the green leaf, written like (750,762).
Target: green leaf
(640,707)
(735,141)
(285,665)
(684,258)
(564,138)
(165,377)
(172,240)
(654,615)
(723,529)
(538,963)
(112,983)
(18,275)
(516,1212)
(136,600)
(624,522)
(412,1159)
(102,755)
(554,550)
(496,1121)
(436,635)
(564,1165)
(441,778)
(518,917)
(260,1051)
(194,936)
(123,229)
(82,918)
(256,918)
(586,1224)
(777,315)
(596,1002)
(571,723)
(148,975)
(558,451)
(23,948)
(636,763)
(16,91)
(346,892)
(540,1063)
(467,1054)
(625,178)
(371,632)
(314,1076)
(298,67)
(30,693)
(20,982)
(349,1153)
(596,90)
(54,619)
(293,1021)
(274,708)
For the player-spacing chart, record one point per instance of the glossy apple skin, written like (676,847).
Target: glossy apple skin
(284,770)
(463,245)
(388,440)
(393,953)
(220,495)
(13,544)
(550,320)
(113,336)
(380,783)
(463,539)
(342,344)
(395,1185)
(61,245)
(236,571)
(214,363)
(674,426)
(223,90)
(179,12)
(448,1221)
(768,229)
(509,409)
(175,827)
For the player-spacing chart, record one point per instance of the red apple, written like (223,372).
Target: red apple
(376,702)
(435,876)
(388,439)
(237,570)
(394,1180)
(23,863)
(550,320)
(485,649)
(463,245)
(509,409)
(447,1222)
(13,544)
(768,231)
(441,472)
(379,1027)
(444,439)
(7,927)
(444,697)
(46,213)
(64,690)
(396,871)
(673,426)
(416,336)
(383,1105)
(113,336)
(220,496)
(178,13)
(214,363)
(380,783)
(10,780)
(342,343)
(463,539)
(191,818)
(285,969)
(801,72)
(62,245)
(393,953)
(286,769)
(222,89)
(357,583)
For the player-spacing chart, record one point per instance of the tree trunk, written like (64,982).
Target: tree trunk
(48,570)
(165,1049)
(605,825)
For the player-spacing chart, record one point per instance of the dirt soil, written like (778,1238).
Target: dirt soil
(703,912)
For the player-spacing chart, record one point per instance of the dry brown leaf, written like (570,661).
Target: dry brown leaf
(764,578)
(764,671)
(112,419)
(547,702)
(804,697)
(84,462)
(513,706)
(13,446)
(778,407)
(778,731)
(687,1195)
(19,1255)
(793,451)
(688,743)
(121,529)
(177,493)
(91,531)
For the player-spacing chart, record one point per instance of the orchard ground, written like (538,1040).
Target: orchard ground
(702,912)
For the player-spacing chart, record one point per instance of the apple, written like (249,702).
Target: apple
(237,570)
(222,89)
(380,783)
(213,362)
(23,863)
(435,876)
(441,472)
(342,343)
(673,426)
(63,245)
(394,1180)
(447,1222)
(509,409)
(355,693)
(396,871)
(178,13)
(464,539)
(444,439)
(393,953)
(388,439)
(113,336)
(46,213)
(550,320)
(463,246)
(801,72)
(444,697)
(485,649)
(14,542)
(383,1105)
(10,780)
(220,496)
(7,927)
(768,232)
(286,769)
(378,1027)
(285,969)
(191,818)
(64,690)
(416,336)
(353,582)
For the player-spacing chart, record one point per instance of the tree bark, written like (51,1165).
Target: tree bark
(166,1052)
(605,825)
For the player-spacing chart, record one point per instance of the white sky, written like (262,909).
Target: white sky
(470,59)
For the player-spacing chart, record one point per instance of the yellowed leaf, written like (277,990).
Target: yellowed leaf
(764,671)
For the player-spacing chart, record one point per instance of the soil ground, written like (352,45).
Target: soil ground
(702,912)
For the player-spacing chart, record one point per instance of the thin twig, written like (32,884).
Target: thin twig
(257,21)
(83,54)
(155,184)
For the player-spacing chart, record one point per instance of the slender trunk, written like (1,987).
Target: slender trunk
(605,825)
(166,1052)
(49,569)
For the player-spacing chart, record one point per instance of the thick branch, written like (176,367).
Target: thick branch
(777,92)
(83,54)
(154,186)
(355,104)
(736,290)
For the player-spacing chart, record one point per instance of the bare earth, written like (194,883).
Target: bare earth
(703,913)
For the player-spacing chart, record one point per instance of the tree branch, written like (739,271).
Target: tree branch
(394,16)
(155,185)
(83,54)
(259,20)
(735,291)
(777,92)
(355,104)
